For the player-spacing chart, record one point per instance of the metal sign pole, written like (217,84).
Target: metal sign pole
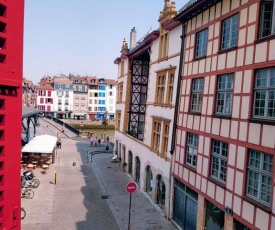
(129,211)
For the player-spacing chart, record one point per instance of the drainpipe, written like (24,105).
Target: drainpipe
(176,115)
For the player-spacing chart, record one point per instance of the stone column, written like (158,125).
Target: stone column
(228,222)
(201,212)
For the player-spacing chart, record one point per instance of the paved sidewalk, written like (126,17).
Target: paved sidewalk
(88,195)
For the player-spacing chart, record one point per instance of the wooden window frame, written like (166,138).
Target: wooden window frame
(163,43)
(156,135)
(201,43)
(268,89)
(222,94)
(120,92)
(165,138)
(197,95)
(219,159)
(160,88)
(230,32)
(262,16)
(118,119)
(170,87)
(191,150)
(259,170)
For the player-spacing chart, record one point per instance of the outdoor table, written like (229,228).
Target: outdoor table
(45,168)
(30,167)
(34,164)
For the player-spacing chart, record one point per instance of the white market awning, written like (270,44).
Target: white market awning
(40,144)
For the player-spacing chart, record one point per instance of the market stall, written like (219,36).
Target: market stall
(39,151)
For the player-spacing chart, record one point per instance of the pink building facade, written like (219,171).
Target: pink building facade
(224,162)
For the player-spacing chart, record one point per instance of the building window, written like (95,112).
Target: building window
(170,87)
(259,176)
(118,118)
(264,94)
(165,138)
(120,91)
(122,69)
(224,94)
(219,160)
(163,43)
(197,90)
(160,88)
(155,143)
(160,136)
(192,149)
(201,43)
(59,93)
(267,21)
(230,32)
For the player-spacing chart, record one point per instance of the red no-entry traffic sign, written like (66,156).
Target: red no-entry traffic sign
(131,187)
(81,123)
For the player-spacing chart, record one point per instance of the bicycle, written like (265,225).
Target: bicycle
(23,213)
(27,180)
(27,193)
(34,183)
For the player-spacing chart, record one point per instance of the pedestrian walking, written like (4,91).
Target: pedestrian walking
(92,141)
(58,144)
(99,141)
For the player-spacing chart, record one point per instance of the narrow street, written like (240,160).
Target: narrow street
(86,196)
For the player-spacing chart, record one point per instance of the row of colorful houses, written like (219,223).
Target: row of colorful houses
(195,113)
(72,97)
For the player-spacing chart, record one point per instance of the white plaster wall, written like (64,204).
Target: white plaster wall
(174,41)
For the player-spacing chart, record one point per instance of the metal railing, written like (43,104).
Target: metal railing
(67,126)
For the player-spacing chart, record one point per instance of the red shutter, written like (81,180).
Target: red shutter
(49,108)
(49,93)
(41,100)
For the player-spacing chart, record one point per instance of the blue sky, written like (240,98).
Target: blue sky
(82,36)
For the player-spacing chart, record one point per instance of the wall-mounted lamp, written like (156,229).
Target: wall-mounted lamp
(229,211)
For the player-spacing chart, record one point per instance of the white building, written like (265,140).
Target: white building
(63,97)
(80,97)
(101,98)
(111,93)
(145,106)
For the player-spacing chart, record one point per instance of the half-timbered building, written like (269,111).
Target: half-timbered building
(224,161)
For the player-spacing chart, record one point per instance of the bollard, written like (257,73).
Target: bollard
(54,176)
(74,164)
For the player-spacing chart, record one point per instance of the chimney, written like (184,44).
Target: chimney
(133,38)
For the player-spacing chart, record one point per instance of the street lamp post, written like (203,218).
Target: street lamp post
(105,122)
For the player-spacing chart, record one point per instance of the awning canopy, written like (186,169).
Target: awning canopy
(40,144)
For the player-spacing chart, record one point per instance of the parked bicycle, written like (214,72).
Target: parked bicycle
(28,180)
(27,193)
(23,213)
